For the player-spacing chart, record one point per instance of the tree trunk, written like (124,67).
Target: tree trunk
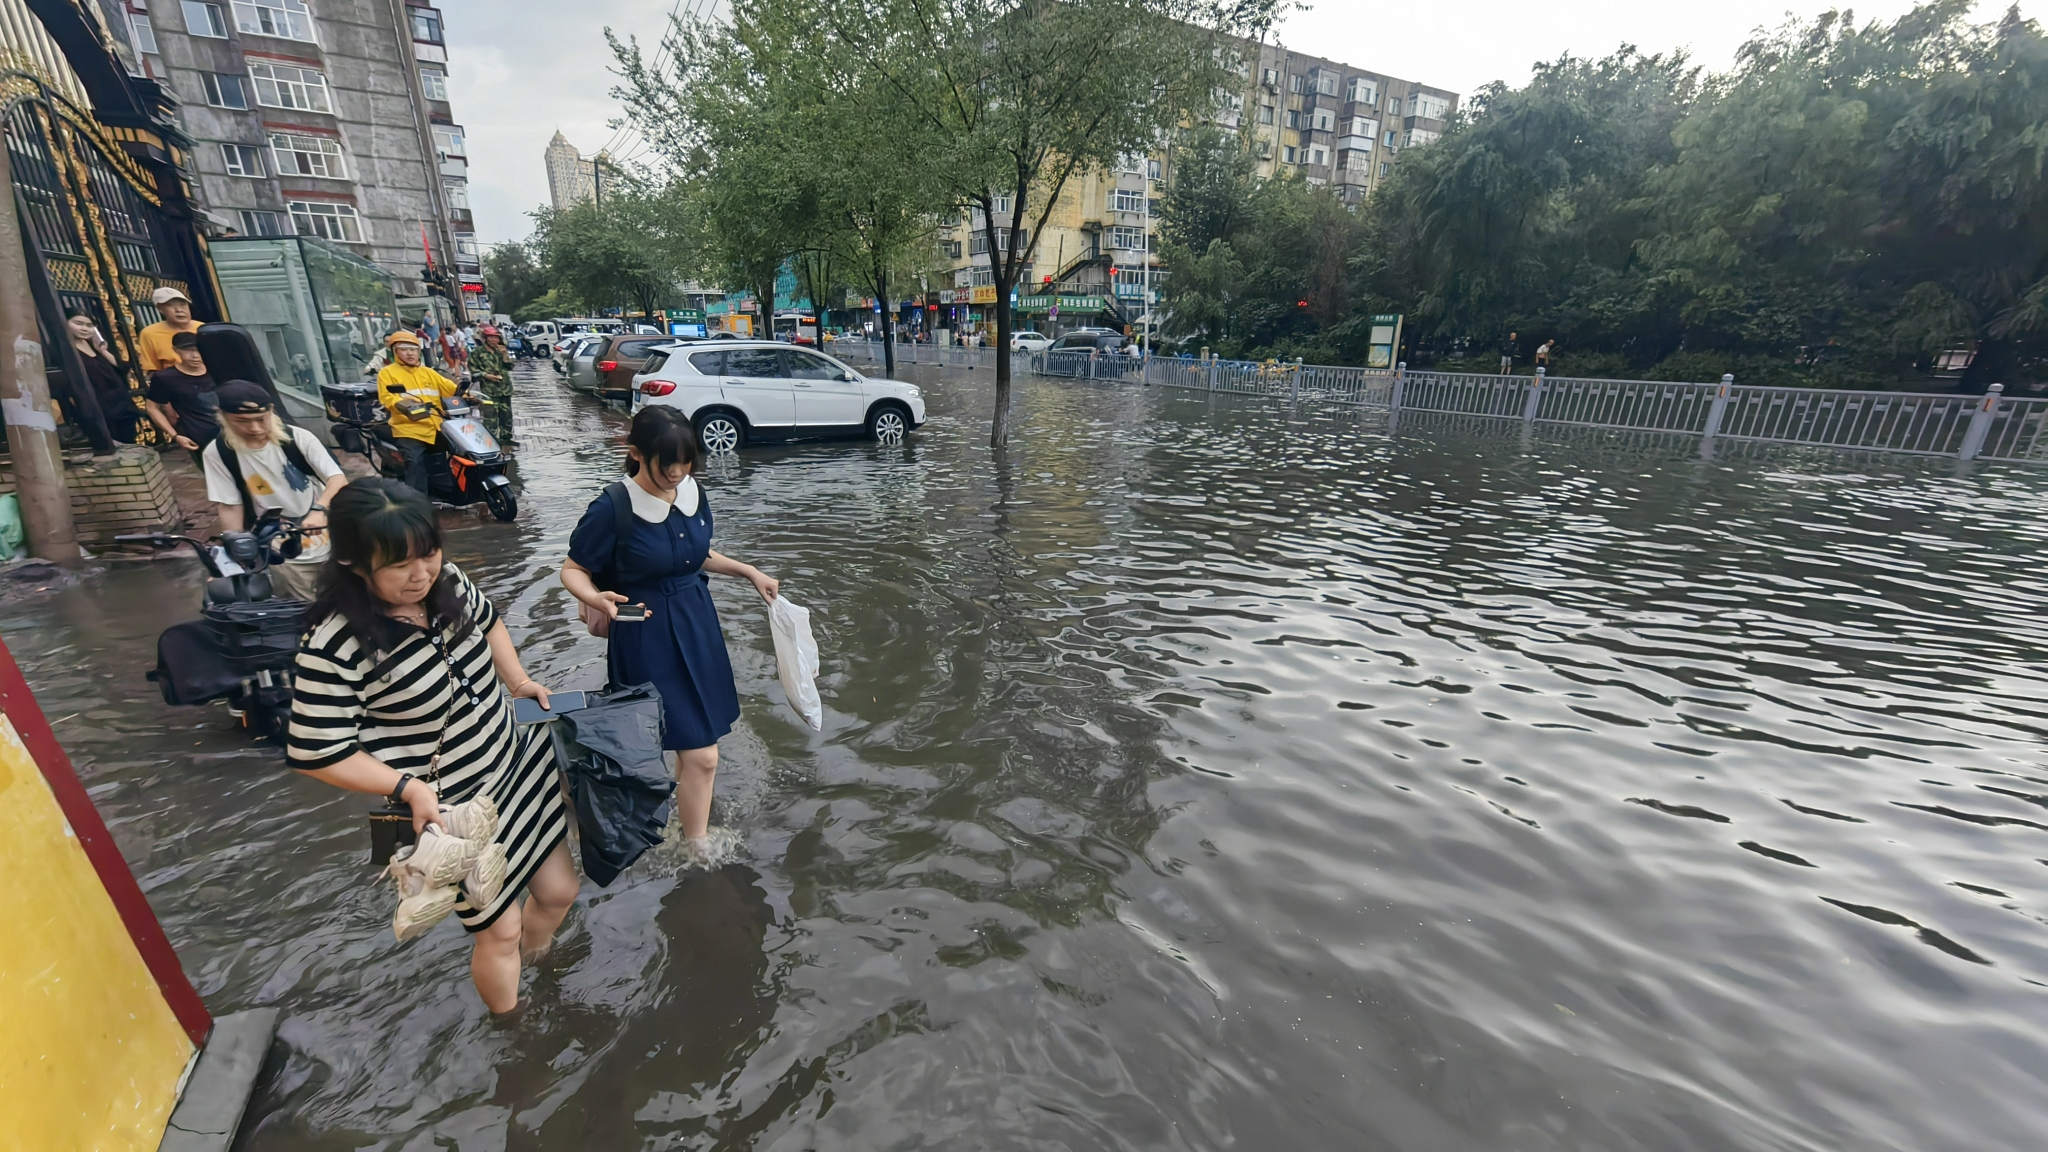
(888,321)
(999,427)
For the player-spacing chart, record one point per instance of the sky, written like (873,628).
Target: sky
(521,69)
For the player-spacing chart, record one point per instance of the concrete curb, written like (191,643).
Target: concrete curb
(210,1108)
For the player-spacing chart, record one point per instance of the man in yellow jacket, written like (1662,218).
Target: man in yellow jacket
(415,395)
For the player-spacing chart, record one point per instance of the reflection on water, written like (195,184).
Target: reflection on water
(1205,774)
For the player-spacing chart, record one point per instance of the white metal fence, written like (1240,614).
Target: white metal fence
(1989,427)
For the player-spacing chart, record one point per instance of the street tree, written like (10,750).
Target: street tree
(1004,102)
(515,277)
(629,250)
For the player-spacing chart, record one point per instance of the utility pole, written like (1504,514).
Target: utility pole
(25,396)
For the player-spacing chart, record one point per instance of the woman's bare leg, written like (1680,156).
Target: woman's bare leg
(549,895)
(494,961)
(696,770)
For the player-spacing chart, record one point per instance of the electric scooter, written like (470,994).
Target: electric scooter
(244,643)
(466,465)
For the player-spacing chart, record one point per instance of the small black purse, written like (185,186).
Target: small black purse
(390,830)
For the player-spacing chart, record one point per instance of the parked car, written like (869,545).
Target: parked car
(566,351)
(615,360)
(1095,353)
(582,364)
(1029,341)
(737,392)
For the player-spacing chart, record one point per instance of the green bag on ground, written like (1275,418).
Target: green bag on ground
(11,534)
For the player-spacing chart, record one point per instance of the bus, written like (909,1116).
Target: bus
(796,327)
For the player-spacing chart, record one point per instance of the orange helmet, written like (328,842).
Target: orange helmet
(489,330)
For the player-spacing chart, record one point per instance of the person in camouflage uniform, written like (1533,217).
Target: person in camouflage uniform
(490,366)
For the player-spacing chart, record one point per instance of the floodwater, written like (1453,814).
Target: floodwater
(1209,775)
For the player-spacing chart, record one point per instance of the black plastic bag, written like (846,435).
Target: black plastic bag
(619,781)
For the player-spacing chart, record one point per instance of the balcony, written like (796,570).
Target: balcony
(1354,143)
(454,166)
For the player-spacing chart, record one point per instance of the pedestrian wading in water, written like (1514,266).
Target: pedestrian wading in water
(397,695)
(663,560)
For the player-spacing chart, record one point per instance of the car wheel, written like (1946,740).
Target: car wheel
(888,425)
(721,432)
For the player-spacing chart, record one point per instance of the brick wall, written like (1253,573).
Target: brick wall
(125,492)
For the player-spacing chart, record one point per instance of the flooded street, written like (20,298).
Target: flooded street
(1205,775)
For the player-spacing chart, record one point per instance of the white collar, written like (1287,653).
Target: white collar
(653,509)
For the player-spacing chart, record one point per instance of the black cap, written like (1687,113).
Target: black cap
(185,340)
(241,398)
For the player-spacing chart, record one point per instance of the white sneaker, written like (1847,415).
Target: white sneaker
(426,874)
(486,878)
(474,819)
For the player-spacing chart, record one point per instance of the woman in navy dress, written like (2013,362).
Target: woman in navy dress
(665,564)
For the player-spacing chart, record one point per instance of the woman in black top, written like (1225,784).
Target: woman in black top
(107,379)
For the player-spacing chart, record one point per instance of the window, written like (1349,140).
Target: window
(1126,237)
(1326,83)
(984,277)
(465,247)
(1152,169)
(457,192)
(1427,106)
(1360,126)
(205,20)
(1265,113)
(1287,154)
(707,363)
(806,366)
(1294,83)
(242,160)
(1365,91)
(756,363)
(435,83)
(978,245)
(328,221)
(426,25)
(1357,159)
(1389,141)
(145,33)
(308,156)
(1318,156)
(1383,167)
(224,91)
(1129,200)
(1324,120)
(1002,205)
(1420,136)
(1270,77)
(449,141)
(1293,118)
(285,19)
(284,86)
(953,249)
(265,224)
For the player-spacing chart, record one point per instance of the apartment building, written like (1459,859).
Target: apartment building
(1304,117)
(327,118)
(572,180)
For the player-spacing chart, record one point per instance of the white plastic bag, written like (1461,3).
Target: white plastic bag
(796,658)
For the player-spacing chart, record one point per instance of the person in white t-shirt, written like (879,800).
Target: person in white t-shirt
(256,464)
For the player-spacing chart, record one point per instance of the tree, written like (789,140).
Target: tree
(516,279)
(1005,101)
(629,251)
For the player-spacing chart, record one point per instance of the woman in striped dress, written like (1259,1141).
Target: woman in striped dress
(395,696)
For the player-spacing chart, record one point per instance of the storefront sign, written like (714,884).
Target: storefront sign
(1081,304)
(983,294)
(686,315)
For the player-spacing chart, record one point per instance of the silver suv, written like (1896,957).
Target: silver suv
(739,391)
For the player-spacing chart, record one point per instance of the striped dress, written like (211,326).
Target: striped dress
(398,717)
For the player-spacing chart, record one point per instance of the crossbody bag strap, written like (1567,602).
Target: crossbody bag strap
(233,464)
(622,526)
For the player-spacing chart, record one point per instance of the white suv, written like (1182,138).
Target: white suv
(737,391)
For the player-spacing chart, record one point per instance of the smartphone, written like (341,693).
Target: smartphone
(632,612)
(528,711)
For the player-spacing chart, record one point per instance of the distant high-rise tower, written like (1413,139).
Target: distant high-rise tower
(571,178)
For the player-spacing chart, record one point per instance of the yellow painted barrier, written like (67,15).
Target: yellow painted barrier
(91,1054)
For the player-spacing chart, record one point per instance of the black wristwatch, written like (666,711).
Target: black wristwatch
(316,508)
(398,793)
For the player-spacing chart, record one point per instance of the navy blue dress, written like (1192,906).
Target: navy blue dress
(679,648)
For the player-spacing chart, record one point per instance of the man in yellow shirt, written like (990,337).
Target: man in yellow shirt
(154,342)
(415,396)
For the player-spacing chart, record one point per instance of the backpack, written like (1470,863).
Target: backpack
(595,621)
(292,456)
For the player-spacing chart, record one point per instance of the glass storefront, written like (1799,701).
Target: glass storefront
(318,311)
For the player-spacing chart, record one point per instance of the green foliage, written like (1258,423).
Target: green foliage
(1256,268)
(1842,204)
(627,251)
(515,277)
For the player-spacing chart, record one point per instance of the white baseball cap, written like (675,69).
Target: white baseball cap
(164,295)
